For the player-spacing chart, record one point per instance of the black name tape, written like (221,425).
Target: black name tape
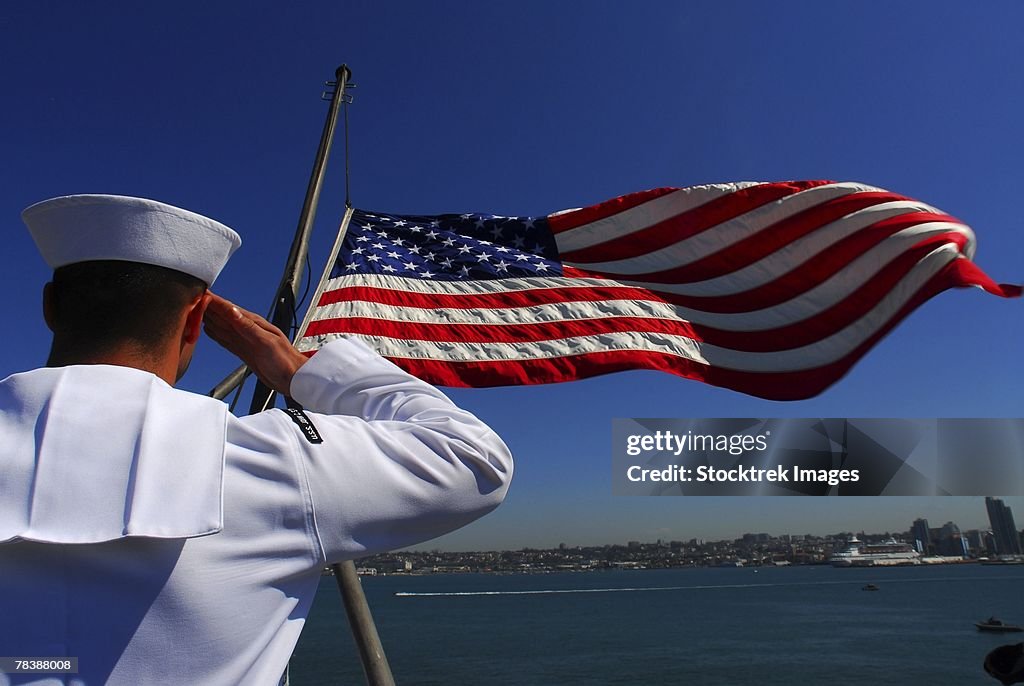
(304,424)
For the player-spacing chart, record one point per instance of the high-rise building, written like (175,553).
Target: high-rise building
(1003,528)
(976,541)
(922,537)
(951,541)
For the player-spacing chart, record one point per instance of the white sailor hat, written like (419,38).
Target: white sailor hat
(82,228)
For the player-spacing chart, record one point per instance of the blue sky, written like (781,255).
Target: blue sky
(528,108)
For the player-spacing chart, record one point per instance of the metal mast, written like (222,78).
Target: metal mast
(282,314)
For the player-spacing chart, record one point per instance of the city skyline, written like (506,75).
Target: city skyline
(975,517)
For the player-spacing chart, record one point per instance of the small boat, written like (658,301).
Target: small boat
(997,626)
(869,587)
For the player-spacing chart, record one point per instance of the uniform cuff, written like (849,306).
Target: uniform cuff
(334,366)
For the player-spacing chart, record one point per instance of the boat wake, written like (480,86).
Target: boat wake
(404,594)
(637,589)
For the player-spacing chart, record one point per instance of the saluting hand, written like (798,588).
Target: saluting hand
(257,342)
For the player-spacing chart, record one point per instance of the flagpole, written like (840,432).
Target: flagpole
(229,383)
(364,632)
(322,284)
(283,312)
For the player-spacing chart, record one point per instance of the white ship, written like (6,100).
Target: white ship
(884,554)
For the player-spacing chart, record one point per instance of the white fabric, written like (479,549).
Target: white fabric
(81,228)
(97,468)
(398,464)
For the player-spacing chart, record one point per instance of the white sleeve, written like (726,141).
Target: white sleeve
(399,462)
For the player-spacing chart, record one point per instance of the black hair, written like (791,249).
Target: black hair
(99,305)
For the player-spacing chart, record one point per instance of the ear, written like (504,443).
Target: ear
(194,319)
(48,305)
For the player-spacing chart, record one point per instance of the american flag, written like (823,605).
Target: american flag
(772,289)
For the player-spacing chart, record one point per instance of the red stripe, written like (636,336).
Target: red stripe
(774,386)
(696,221)
(570,220)
(799,333)
(970,274)
(800,278)
(758,246)
(576,218)
(500,333)
(772,237)
(819,269)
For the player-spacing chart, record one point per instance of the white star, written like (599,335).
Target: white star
(357,251)
(503,248)
(464,249)
(541,267)
(350,266)
(446,263)
(399,242)
(415,249)
(435,224)
(467,216)
(464,271)
(393,255)
(483,257)
(486,243)
(520,257)
(415,229)
(528,224)
(502,266)
(379,246)
(411,267)
(373,258)
(427,275)
(363,239)
(368,227)
(479,223)
(388,268)
(430,256)
(401,223)
(448,242)
(432,234)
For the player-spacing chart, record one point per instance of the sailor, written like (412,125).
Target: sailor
(153,535)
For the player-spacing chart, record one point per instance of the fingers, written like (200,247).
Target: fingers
(224,319)
(257,342)
(226,313)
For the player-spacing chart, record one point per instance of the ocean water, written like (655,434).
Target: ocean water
(806,625)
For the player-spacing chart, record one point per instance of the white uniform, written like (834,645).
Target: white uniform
(160,539)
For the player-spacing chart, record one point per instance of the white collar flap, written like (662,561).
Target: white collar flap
(94,453)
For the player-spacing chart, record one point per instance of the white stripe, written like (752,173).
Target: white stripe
(647,214)
(810,356)
(721,236)
(804,306)
(553,312)
(803,250)
(852,275)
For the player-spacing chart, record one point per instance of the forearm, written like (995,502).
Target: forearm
(400,463)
